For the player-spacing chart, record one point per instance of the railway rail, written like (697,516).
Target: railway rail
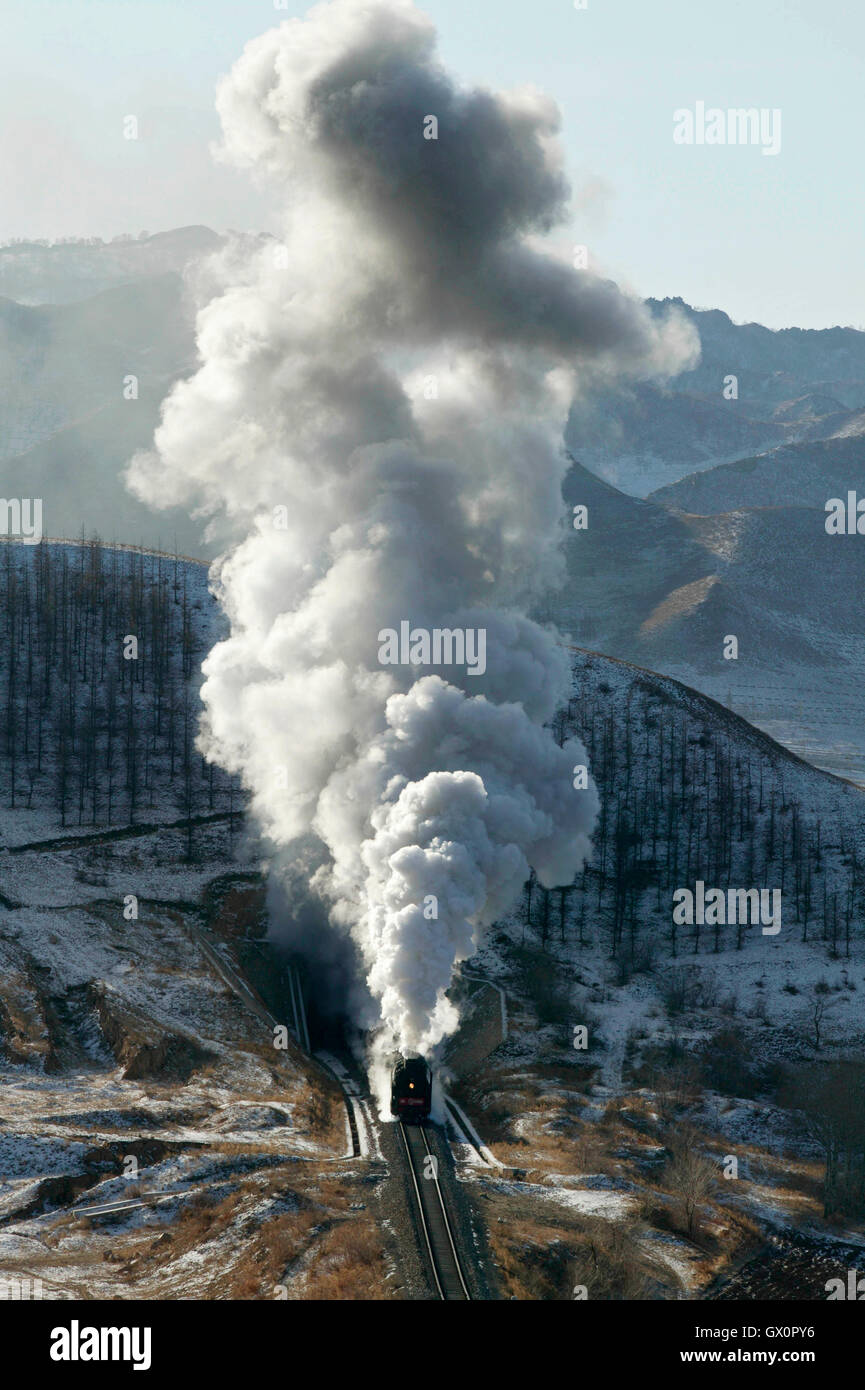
(434,1221)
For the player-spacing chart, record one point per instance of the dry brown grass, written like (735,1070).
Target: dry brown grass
(321,1249)
(541,1260)
(349,1264)
(614,1259)
(532,1259)
(260,1272)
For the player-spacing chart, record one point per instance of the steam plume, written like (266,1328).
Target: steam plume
(378,412)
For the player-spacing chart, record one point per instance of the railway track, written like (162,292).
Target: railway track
(435,1225)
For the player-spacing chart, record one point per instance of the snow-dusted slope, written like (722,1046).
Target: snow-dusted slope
(790,385)
(666,589)
(797,475)
(129,1072)
(68,271)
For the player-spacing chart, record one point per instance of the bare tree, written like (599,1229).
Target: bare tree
(691,1177)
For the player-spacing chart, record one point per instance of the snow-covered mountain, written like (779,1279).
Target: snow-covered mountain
(646,583)
(789,385)
(61,363)
(80,389)
(797,475)
(121,1037)
(666,589)
(40,272)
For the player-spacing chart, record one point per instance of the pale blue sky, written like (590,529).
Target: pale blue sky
(776,239)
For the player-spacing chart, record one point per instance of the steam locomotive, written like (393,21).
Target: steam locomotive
(411,1089)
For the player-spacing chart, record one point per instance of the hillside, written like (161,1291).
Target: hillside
(78,473)
(793,385)
(800,475)
(73,314)
(81,387)
(703,1044)
(664,588)
(134,1069)
(60,363)
(131,899)
(63,272)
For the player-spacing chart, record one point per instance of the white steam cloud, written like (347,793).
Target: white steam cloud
(378,411)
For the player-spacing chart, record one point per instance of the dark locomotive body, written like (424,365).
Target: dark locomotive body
(411,1089)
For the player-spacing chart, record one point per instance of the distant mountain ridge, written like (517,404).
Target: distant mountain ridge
(59,363)
(801,475)
(664,589)
(706,513)
(37,272)
(71,415)
(791,385)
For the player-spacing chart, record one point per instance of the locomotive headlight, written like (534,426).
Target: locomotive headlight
(411,1085)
